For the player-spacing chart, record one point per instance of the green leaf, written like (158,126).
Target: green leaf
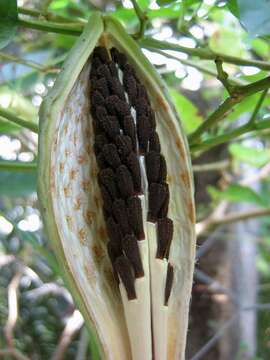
(233,7)
(261,47)
(250,155)
(9,21)
(165,2)
(228,42)
(246,106)
(187,111)
(237,193)
(17,184)
(255,16)
(170,12)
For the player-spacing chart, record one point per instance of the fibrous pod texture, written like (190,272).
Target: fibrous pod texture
(116,194)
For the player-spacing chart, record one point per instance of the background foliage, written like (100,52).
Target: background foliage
(214,57)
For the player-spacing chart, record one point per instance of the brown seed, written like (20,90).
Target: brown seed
(131,249)
(169,283)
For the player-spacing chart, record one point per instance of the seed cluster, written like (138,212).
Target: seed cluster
(121,139)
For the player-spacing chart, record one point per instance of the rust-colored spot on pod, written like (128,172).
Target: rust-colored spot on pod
(88,216)
(82,236)
(191,212)
(89,273)
(72,174)
(66,128)
(185,178)
(85,184)
(98,251)
(162,103)
(102,233)
(78,203)
(61,167)
(97,201)
(180,148)
(66,190)
(83,158)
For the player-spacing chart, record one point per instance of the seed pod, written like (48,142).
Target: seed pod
(131,292)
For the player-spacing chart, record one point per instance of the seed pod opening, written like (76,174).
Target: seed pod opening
(113,163)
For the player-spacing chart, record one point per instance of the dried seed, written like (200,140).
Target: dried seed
(118,57)
(102,86)
(117,88)
(134,213)
(110,154)
(132,162)
(124,181)
(101,53)
(107,199)
(169,283)
(152,162)
(100,141)
(107,179)
(113,69)
(124,145)
(130,87)
(154,144)
(124,269)
(131,249)
(130,129)
(102,164)
(119,210)
(114,233)
(157,197)
(97,99)
(164,237)
(111,126)
(144,131)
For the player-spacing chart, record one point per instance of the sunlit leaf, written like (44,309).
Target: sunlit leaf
(250,155)
(228,42)
(187,111)
(9,21)
(233,7)
(237,193)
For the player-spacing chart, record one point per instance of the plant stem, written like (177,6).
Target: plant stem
(47,15)
(222,76)
(10,116)
(226,107)
(214,141)
(206,54)
(197,66)
(142,19)
(258,106)
(29,63)
(17,166)
(49,26)
(214,166)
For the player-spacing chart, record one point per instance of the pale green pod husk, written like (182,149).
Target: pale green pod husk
(70,198)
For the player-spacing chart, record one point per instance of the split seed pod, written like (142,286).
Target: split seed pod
(116,194)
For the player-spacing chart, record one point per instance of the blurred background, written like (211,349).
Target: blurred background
(230,309)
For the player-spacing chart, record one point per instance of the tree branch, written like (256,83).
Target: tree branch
(212,221)
(17,166)
(49,26)
(32,64)
(215,166)
(202,53)
(142,19)
(226,107)
(10,116)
